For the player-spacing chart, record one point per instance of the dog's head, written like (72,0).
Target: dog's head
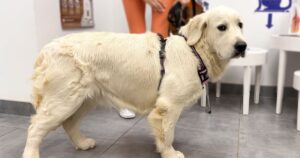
(221,28)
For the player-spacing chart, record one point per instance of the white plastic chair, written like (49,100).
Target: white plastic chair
(255,57)
(296,85)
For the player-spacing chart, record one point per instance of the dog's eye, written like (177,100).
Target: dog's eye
(222,27)
(240,25)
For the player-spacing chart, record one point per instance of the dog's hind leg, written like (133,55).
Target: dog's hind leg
(72,128)
(51,114)
(162,120)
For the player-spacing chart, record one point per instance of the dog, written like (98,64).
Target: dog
(77,71)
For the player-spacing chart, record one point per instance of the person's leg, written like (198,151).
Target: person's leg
(135,14)
(160,23)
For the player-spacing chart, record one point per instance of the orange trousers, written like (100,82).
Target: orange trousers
(135,13)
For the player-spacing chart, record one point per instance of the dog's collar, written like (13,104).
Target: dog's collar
(201,68)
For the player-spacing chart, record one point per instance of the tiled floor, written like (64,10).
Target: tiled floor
(223,134)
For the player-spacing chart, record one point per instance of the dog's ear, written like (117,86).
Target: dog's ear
(193,30)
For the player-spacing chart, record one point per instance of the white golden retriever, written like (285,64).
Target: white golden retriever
(78,71)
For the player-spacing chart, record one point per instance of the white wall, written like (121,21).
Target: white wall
(33,23)
(18,47)
(48,19)
(108,15)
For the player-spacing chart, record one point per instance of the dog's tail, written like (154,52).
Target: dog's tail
(39,80)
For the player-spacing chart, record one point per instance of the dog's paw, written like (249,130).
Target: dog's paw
(179,154)
(86,144)
(173,154)
(31,154)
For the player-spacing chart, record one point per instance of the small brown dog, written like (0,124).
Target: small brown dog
(180,15)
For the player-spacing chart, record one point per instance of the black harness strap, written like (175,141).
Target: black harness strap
(201,68)
(162,57)
(203,75)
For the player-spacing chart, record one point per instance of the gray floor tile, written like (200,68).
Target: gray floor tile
(189,153)
(145,150)
(131,150)
(289,108)
(268,136)
(267,106)
(196,118)
(214,142)
(139,141)
(14,144)
(268,152)
(140,133)
(106,123)
(5,130)
(14,121)
(203,121)
(109,115)
(223,134)
(226,99)
(204,138)
(230,110)
(227,104)
(59,146)
(55,145)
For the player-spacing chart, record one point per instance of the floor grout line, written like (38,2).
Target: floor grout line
(121,136)
(264,110)
(238,143)
(239,128)
(14,128)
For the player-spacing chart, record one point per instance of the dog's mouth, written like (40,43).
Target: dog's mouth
(239,54)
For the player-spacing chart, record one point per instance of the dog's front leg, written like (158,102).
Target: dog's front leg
(162,120)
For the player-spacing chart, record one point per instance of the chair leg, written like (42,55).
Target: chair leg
(258,70)
(298,113)
(246,89)
(203,97)
(218,89)
(281,80)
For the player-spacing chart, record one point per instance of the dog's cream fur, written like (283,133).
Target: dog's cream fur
(78,71)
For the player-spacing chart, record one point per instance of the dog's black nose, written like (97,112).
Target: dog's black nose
(240,46)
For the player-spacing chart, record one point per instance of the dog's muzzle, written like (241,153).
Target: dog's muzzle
(240,48)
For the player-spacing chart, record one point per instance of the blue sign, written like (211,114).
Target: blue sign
(204,3)
(271,6)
